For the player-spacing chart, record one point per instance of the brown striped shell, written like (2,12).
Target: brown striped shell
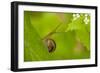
(51,45)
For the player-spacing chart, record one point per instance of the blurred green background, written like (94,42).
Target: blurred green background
(70,32)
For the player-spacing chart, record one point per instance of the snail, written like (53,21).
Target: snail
(50,43)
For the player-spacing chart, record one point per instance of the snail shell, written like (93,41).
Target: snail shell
(51,45)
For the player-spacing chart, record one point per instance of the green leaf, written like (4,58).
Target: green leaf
(65,43)
(34,49)
(88,25)
(63,26)
(81,31)
(76,25)
(44,23)
(84,37)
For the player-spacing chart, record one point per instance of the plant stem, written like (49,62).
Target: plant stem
(61,16)
(52,32)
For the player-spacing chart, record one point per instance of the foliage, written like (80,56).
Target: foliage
(72,37)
